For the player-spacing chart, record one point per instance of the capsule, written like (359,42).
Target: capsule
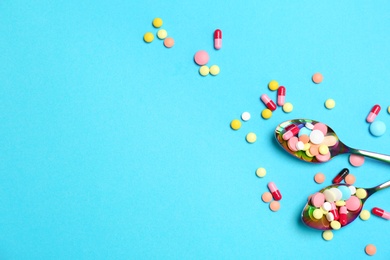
(343,215)
(334,211)
(281,95)
(381,213)
(291,130)
(340,177)
(217,39)
(268,102)
(274,191)
(373,113)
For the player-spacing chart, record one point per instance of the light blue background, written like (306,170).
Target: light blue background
(112,148)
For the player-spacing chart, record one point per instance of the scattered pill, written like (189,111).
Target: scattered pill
(281,96)
(204,70)
(340,177)
(370,249)
(266,113)
(261,172)
(350,179)
(319,178)
(266,197)
(157,22)
(235,124)
(327,235)
(201,58)
(330,103)
(317,78)
(365,214)
(356,160)
(148,37)
(214,70)
(245,116)
(273,85)
(274,205)
(381,213)
(251,138)
(162,34)
(275,191)
(373,113)
(268,102)
(217,39)
(169,42)
(377,128)
(288,107)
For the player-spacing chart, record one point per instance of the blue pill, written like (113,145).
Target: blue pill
(345,191)
(304,131)
(377,128)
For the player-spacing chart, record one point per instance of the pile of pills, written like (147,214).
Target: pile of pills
(235,124)
(270,104)
(273,196)
(202,58)
(162,34)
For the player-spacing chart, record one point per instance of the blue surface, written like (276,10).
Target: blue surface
(112,148)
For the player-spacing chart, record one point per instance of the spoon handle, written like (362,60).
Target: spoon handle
(378,156)
(382,186)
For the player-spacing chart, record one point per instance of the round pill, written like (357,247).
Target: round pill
(327,235)
(309,125)
(304,139)
(317,214)
(204,70)
(201,58)
(350,179)
(300,145)
(251,138)
(345,191)
(317,78)
(288,107)
(319,178)
(214,70)
(322,127)
(353,203)
(162,34)
(335,225)
(273,85)
(365,214)
(318,199)
(329,196)
(266,113)
(274,205)
(326,206)
(370,249)
(323,149)
(388,109)
(169,42)
(261,172)
(340,203)
(356,160)
(330,103)
(377,128)
(266,197)
(337,193)
(352,189)
(148,37)
(157,22)
(316,136)
(235,124)
(245,116)
(361,193)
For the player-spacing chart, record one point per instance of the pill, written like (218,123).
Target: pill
(309,126)
(329,216)
(323,157)
(148,37)
(334,211)
(317,78)
(201,58)
(326,206)
(266,197)
(350,179)
(304,138)
(370,249)
(340,203)
(169,42)
(335,225)
(345,191)
(217,39)
(373,113)
(377,128)
(273,85)
(352,189)
(292,143)
(214,70)
(288,107)
(318,199)
(361,193)
(365,214)
(323,149)
(291,131)
(353,203)
(204,70)
(343,215)
(251,138)
(266,113)
(330,103)
(322,127)
(281,96)
(319,178)
(275,191)
(235,124)
(261,172)
(316,136)
(327,235)
(381,213)
(317,214)
(340,177)
(300,145)
(245,116)
(162,34)
(337,193)
(388,109)
(274,205)
(268,102)
(157,22)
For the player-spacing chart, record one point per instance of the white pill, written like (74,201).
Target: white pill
(329,196)
(245,116)
(326,206)
(329,217)
(316,136)
(352,189)
(309,125)
(300,145)
(337,193)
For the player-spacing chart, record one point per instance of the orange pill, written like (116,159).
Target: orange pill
(350,179)
(319,177)
(169,42)
(317,78)
(370,249)
(274,205)
(304,139)
(266,197)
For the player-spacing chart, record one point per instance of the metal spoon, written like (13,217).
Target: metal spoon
(331,140)
(323,223)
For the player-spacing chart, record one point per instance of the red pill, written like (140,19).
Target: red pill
(343,215)
(274,191)
(380,213)
(268,102)
(217,39)
(291,131)
(334,211)
(281,95)
(373,113)
(340,177)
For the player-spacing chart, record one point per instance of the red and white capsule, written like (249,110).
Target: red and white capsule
(373,113)
(274,191)
(268,102)
(281,95)
(217,39)
(334,211)
(381,213)
(343,215)
(291,131)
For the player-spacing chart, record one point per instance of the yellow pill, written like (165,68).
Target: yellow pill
(306,147)
(162,34)
(307,152)
(157,22)
(235,124)
(327,235)
(324,211)
(261,172)
(273,85)
(335,225)
(365,214)
(317,214)
(361,193)
(330,103)
(266,113)
(340,203)
(204,70)
(214,70)
(323,149)
(251,138)
(148,37)
(288,107)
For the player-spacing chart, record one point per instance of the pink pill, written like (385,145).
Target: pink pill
(292,143)
(317,199)
(353,203)
(317,78)
(201,58)
(322,127)
(323,158)
(356,160)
